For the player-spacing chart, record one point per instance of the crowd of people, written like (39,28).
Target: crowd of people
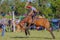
(7,24)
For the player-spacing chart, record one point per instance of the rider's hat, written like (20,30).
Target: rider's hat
(29,6)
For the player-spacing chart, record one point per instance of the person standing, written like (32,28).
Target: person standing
(4,22)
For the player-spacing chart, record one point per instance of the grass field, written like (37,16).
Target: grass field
(35,35)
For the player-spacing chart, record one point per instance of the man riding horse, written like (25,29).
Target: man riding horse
(39,22)
(33,11)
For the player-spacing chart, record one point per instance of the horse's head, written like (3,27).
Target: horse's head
(22,22)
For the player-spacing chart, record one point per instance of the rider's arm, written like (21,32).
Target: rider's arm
(27,3)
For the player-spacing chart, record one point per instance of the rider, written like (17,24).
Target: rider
(33,10)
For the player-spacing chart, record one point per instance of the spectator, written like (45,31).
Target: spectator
(0,26)
(2,13)
(3,21)
(9,24)
(59,24)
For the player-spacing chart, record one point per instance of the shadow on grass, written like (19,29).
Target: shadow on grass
(34,37)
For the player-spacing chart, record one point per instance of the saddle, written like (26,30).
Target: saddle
(36,18)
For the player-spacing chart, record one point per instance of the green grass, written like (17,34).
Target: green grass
(35,35)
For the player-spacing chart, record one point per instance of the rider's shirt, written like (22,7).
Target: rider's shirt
(33,8)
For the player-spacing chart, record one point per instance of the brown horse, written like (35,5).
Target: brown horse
(38,22)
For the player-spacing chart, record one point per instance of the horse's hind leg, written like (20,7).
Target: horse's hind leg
(28,31)
(51,33)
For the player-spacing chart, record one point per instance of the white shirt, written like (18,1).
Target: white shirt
(17,21)
(33,8)
(4,21)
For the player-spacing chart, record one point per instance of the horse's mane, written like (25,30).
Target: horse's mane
(26,18)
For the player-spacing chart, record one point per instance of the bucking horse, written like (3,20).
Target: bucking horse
(38,22)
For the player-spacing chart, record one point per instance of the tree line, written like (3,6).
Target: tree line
(49,8)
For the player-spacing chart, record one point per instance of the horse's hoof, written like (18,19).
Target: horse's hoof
(53,37)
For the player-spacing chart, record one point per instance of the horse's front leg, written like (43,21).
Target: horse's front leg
(27,32)
(28,29)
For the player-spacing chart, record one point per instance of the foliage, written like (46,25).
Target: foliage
(50,8)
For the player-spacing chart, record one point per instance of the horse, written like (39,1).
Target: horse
(36,21)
